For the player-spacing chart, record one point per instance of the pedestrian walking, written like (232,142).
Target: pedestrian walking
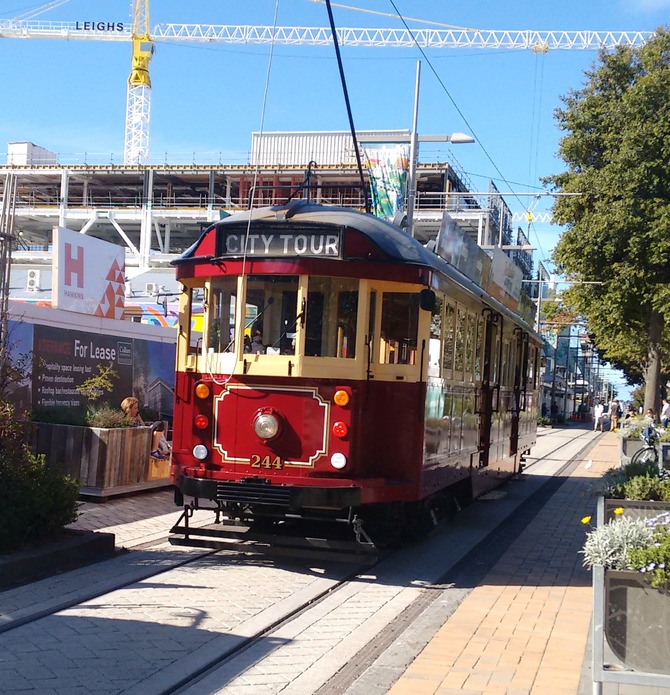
(615,414)
(599,417)
(665,413)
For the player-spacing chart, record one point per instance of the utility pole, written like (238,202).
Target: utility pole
(6,240)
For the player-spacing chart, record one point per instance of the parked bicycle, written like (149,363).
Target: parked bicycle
(649,453)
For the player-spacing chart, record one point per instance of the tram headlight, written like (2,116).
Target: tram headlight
(267,425)
(200,452)
(338,460)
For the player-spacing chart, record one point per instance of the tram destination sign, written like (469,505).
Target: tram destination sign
(280,244)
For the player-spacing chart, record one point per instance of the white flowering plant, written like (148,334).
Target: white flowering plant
(653,560)
(641,545)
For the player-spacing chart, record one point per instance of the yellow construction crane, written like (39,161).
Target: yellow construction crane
(138,102)
(138,105)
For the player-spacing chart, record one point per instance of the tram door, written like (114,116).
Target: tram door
(520,352)
(490,392)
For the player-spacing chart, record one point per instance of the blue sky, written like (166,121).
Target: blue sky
(69,96)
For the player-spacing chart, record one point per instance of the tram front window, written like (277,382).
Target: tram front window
(221,328)
(272,300)
(400,314)
(332,308)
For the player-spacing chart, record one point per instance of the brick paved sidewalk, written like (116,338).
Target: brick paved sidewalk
(525,628)
(136,519)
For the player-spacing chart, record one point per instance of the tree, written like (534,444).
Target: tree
(617,207)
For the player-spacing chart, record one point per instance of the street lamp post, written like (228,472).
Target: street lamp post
(415,139)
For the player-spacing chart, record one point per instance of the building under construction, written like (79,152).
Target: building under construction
(157,211)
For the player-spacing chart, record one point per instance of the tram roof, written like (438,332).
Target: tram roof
(392,240)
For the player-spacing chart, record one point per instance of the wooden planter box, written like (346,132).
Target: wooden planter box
(105,461)
(636,622)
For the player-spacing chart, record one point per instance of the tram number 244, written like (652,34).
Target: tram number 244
(266,462)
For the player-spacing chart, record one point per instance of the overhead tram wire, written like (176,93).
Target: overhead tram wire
(254,183)
(348,105)
(453,101)
(36,10)
(390,14)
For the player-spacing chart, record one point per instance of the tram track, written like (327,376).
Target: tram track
(482,557)
(304,596)
(97,590)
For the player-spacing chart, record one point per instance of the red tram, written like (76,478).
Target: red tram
(344,372)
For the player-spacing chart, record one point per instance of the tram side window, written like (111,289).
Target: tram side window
(470,336)
(459,342)
(495,370)
(435,344)
(272,299)
(507,366)
(332,308)
(448,339)
(534,367)
(400,314)
(222,302)
(479,343)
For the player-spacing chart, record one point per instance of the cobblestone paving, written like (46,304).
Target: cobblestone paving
(109,644)
(146,636)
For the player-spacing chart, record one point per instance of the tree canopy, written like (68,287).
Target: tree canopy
(615,205)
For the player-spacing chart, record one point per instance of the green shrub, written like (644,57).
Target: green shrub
(633,469)
(644,487)
(106,415)
(612,481)
(35,503)
(654,560)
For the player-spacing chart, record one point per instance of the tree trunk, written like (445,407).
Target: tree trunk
(652,372)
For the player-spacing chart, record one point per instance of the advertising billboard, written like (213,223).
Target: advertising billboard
(388,166)
(88,275)
(54,353)
(64,359)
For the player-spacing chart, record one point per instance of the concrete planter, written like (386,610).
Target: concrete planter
(629,615)
(106,461)
(636,622)
(665,454)
(628,448)
(634,509)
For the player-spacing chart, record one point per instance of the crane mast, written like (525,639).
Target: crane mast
(138,99)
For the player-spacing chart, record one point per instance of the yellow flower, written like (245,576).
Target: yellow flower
(586,520)
(618,511)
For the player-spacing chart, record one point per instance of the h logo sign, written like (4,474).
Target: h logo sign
(74,265)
